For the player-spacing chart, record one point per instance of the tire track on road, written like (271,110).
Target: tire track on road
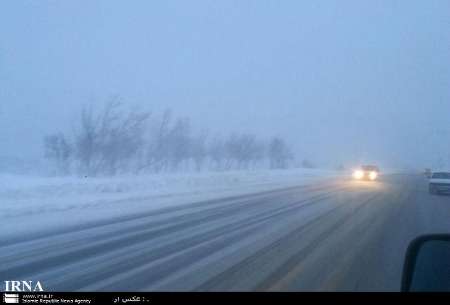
(250,264)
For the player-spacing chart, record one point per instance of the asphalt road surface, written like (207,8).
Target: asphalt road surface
(338,235)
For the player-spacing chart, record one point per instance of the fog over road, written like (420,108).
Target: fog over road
(327,236)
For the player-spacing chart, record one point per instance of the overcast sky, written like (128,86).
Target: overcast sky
(342,80)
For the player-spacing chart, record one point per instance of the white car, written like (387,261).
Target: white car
(439,183)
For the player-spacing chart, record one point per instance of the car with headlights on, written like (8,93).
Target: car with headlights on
(366,172)
(439,182)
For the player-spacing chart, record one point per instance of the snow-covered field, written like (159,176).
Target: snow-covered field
(35,203)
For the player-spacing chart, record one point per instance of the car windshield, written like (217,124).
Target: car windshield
(441,175)
(233,145)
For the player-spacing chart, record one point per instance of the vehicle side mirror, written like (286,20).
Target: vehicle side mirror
(427,264)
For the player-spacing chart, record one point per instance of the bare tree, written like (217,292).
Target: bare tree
(107,142)
(244,150)
(279,153)
(199,150)
(86,140)
(179,141)
(231,151)
(158,147)
(116,140)
(121,136)
(58,149)
(217,153)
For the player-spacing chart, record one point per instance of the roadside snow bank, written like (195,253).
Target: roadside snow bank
(45,201)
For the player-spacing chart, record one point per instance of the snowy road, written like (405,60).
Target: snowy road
(334,235)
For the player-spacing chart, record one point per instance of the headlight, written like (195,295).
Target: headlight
(358,174)
(373,175)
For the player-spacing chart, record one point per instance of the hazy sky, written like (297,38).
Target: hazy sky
(343,80)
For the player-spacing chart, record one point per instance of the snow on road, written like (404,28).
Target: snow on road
(37,203)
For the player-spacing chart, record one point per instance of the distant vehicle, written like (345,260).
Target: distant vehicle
(427,172)
(366,172)
(439,183)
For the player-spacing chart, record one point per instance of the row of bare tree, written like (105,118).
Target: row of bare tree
(116,140)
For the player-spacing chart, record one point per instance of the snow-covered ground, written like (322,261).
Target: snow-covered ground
(36,203)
